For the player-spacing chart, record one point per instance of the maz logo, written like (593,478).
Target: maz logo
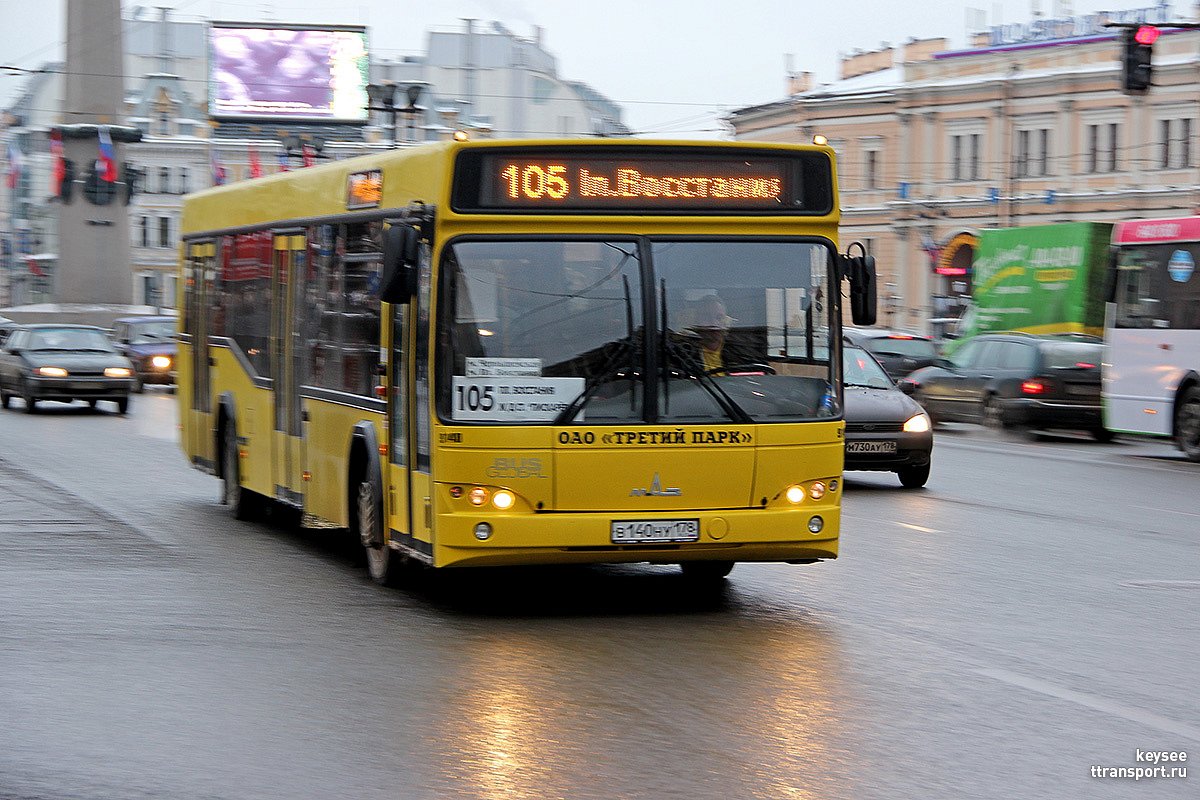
(656,490)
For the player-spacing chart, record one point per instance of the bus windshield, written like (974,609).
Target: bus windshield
(553,331)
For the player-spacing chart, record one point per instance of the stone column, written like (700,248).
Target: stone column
(93,261)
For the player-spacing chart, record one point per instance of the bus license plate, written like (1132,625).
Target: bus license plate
(658,531)
(871,447)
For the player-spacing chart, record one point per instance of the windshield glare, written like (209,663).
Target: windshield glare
(859,369)
(68,339)
(545,331)
(150,332)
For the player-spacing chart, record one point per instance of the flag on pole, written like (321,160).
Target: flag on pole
(59,172)
(218,170)
(255,166)
(106,165)
(308,154)
(15,162)
(284,166)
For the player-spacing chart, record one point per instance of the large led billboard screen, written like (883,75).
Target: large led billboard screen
(313,72)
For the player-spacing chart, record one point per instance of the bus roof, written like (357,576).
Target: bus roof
(1157,231)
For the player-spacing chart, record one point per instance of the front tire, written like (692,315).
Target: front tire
(706,571)
(994,417)
(29,398)
(913,477)
(383,563)
(122,405)
(1187,424)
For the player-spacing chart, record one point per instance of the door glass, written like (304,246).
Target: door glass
(399,397)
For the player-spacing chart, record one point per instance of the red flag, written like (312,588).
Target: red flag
(106,165)
(255,167)
(308,155)
(60,166)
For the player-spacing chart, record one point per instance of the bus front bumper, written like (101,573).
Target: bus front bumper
(770,534)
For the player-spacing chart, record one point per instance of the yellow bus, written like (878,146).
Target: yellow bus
(534,352)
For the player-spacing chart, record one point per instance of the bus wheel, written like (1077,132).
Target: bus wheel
(706,571)
(1187,424)
(245,503)
(383,563)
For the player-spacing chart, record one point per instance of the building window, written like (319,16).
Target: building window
(1093,151)
(163,128)
(871,168)
(1022,158)
(565,125)
(1104,142)
(1032,158)
(145,228)
(1113,144)
(976,140)
(185,183)
(1174,152)
(164,231)
(1044,153)
(956,172)
(150,290)
(1185,143)
(1164,143)
(164,180)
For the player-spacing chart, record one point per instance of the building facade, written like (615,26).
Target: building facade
(936,144)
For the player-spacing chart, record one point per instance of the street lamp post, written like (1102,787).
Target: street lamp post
(382,97)
(412,93)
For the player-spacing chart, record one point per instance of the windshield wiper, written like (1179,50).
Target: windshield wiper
(608,371)
(692,368)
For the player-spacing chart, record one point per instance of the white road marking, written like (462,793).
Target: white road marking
(1168,511)
(916,527)
(1130,713)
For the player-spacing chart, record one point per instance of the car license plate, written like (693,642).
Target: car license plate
(82,385)
(657,531)
(871,447)
(1084,390)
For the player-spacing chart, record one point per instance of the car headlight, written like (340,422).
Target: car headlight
(160,362)
(117,372)
(51,372)
(917,424)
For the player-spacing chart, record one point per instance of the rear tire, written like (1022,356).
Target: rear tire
(246,504)
(1187,424)
(383,563)
(706,571)
(1102,435)
(4,399)
(993,415)
(913,477)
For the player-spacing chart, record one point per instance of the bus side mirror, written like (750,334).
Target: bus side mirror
(398,281)
(860,272)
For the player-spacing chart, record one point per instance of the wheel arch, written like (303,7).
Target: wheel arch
(226,416)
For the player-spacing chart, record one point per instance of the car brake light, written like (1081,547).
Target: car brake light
(1033,387)
(899,336)
(1084,365)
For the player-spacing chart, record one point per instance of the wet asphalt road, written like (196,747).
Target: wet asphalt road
(1030,615)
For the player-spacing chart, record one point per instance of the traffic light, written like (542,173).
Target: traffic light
(1137,45)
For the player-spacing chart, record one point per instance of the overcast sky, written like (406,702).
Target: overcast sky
(673,65)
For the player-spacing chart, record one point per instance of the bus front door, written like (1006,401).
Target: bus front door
(287,440)
(400,455)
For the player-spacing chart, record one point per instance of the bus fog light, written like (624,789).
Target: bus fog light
(817,491)
(478,495)
(504,499)
(815,525)
(795,495)
(483,531)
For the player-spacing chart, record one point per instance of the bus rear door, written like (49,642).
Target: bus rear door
(287,442)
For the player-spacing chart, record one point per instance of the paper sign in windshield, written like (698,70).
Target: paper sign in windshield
(500,399)
(504,367)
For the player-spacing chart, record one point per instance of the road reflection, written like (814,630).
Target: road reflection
(610,693)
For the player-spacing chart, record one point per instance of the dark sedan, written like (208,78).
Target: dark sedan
(886,430)
(63,362)
(149,342)
(1017,381)
(897,352)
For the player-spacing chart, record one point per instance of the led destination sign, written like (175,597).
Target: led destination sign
(640,182)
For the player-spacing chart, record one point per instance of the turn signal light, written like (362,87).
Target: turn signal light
(816,491)
(478,495)
(1033,387)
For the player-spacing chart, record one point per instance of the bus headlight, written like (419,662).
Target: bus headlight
(117,372)
(503,499)
(51,372)
(917,424)
(794,495)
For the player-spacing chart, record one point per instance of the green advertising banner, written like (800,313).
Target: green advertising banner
(1040,279)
